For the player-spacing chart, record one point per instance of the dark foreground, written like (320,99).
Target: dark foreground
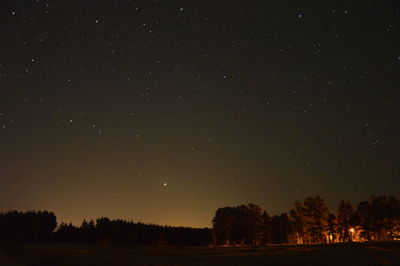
(381,253)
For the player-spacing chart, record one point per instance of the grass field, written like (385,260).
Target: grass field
(378,253)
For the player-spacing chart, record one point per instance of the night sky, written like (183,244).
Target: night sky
(164,111)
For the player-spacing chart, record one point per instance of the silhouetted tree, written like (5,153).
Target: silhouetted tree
(280,229)
(266,236)
(310,220)
(242,224)
(379,217)
(365,219)
(345,220)
(333,234)
(27,226)
(387,213)
(297,215)
(316,219)
(255,223)
(67,233)
(223,224)
(88,232)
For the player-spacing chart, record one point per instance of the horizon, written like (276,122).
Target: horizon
(78,221)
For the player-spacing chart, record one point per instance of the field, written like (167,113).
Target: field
(378,253)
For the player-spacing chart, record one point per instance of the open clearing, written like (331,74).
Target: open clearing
(377,253)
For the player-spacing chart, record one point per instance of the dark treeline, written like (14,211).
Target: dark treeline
(28,226)
(310,221)
(119,231)
(38,226)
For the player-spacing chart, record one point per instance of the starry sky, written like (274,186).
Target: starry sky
(163,111)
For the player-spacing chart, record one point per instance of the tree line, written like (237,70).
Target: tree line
(107,231)
(27,226)
(309,221)
(39,226)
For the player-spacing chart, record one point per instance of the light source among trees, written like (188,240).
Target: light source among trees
(309,221)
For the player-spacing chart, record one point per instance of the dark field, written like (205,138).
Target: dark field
(382,253)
